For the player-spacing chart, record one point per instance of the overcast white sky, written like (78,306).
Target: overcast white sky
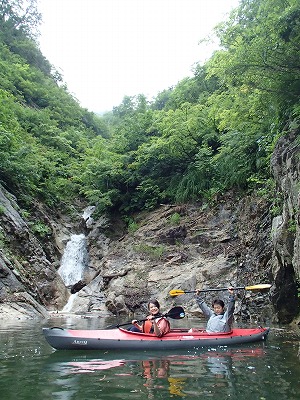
(106,49)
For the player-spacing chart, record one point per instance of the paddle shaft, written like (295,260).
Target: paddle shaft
(175,312)
(215,289)
(139,320)
(261,286)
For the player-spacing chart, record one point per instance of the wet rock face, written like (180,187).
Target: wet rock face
(173,235)
(285,164)
(285,296)
(133,268)
(9,213)
(77,287)
(27,277)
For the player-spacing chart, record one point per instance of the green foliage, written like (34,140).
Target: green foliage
(132,226)
(174,219)
(19,18)
(197,179)
(262,186)
(2,239)
(292,226)
(44,133)
(211,132)
(153,252)
(261,42)
(40,229)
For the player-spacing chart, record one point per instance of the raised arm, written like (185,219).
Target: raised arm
(230,307)
(203,306)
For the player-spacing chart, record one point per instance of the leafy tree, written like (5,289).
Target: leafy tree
(19,18)
(198,178)
(261,49)
(161,100)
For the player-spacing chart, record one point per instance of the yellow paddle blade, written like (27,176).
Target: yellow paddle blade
(258,287)
(176,292)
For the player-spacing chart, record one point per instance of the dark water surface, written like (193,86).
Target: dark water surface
(31,369)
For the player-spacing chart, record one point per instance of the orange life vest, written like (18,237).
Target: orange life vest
(148,326)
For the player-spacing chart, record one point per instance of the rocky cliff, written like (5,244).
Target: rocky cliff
(236,241)
(285,232)
(29,283)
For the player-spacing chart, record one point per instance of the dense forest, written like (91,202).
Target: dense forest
(209,133)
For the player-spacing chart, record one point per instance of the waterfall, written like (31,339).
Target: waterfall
(87,216)
(68,307)
(74,260)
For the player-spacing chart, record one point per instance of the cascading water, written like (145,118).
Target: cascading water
(74,261)
(87,216)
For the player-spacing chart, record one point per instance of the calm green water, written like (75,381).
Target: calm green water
(31,369)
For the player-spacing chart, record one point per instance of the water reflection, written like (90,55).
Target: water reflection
(177,375)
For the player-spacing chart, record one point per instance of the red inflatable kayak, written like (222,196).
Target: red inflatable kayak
(121,339)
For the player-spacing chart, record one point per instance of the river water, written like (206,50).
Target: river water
(31,369)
